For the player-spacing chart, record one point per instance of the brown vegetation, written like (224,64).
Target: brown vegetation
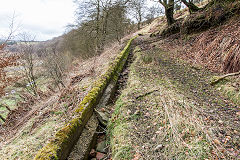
(218,49)
(33,116)
(6,60)
(213,14)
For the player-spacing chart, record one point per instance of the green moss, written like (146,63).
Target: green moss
(231,92)
(123,153)
(9,102)
(58,113)
(62,139)
(118,133)
(60,142)
(111,73)
(147,59)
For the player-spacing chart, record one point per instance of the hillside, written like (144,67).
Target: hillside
(169,108)
(162,92)
(30,129)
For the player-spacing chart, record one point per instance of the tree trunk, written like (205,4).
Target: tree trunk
(104,31)
(139,25)
(140,20)
(169,14)
(98,28)
(192,7)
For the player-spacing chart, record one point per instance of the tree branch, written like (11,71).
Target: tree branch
(145,94)
(216,79)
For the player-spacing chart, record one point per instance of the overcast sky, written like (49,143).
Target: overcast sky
(43,18)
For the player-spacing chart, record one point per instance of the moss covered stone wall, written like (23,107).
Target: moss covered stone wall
(61,144)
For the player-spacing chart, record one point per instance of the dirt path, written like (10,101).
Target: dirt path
(169,111)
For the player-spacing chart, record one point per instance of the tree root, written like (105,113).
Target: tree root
(216,79)
(1,117)
(8,108)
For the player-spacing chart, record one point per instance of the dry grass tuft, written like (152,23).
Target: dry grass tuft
(189,137)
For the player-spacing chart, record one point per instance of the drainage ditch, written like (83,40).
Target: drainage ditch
(92,144)
(76,139)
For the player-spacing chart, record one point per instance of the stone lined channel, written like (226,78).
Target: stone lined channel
(79,130)
(92,143)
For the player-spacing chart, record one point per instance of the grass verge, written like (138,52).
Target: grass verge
(155,119)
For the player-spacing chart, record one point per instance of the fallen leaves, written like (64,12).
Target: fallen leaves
(159,130)
(137,156)
(216,141)
(227,138)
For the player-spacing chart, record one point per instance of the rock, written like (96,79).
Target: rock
(103,110)
(102,117)
(158,148)
(101,147)
(100,156)
(92,153)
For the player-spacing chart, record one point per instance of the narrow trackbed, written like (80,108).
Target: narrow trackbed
(101,149)
(193,83)
(169,111)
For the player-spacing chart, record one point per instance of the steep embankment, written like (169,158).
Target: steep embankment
(170,111)
(36,127)
(216,49)
(64,140)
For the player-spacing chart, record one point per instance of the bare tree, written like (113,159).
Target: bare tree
(12,29)
(169,10)
(55,64)
(191,6)
(118,23)
(99,22)
(153,12)
(7,60)
(92,11)
(27,58)
(138,8)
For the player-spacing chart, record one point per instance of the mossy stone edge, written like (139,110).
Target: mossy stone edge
(60,145)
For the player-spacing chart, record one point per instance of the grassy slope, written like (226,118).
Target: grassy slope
(51,114)
(182,113)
